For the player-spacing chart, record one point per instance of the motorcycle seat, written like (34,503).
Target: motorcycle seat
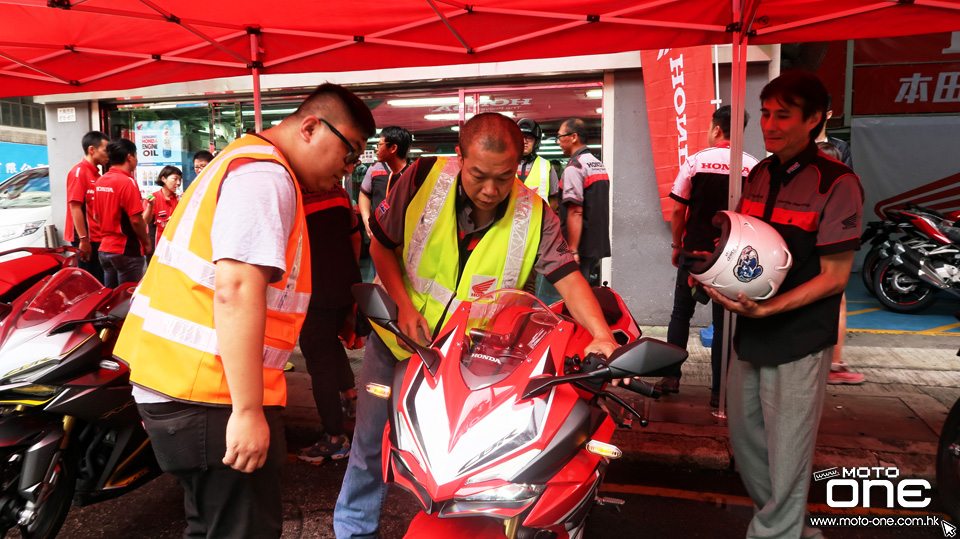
(19,274)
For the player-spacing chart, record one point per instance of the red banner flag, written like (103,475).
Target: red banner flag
(678,84)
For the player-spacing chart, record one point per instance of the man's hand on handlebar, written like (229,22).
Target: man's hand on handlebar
(603,347)
(414,325)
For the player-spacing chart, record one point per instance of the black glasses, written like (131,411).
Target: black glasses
(561,135)
(353,154)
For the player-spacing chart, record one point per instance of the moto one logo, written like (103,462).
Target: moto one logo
(873,487)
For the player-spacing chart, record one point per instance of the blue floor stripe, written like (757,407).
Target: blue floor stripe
(938,315)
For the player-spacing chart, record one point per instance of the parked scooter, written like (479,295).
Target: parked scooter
(911,273)
(502,427)
(69,429)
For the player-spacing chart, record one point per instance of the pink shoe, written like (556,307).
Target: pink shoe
(839,374)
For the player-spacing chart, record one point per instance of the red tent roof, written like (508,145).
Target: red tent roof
(61,46)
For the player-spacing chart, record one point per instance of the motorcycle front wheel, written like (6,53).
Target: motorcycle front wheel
(901,292)
(948,463)
(53,510)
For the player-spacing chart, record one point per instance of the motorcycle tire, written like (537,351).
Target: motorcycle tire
(870,264)
(53,512)
(900,292)
(948,464)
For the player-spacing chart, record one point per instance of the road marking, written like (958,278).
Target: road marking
(941,329)
(745,501)
(902,332)
(851,313)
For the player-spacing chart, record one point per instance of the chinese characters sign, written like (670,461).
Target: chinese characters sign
(16,158)
(907,75)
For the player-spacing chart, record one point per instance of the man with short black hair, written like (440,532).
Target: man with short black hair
(82,230)
(585,206)
(119,208)
(698,193)
(486,212)
(392,150)
(785,343)
(218,313)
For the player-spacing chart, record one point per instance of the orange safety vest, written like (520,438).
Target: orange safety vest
(168,339)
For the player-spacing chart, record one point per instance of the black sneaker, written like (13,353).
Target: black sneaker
(328,448)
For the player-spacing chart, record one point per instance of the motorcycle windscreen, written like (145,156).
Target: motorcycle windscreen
(66,289)
(503,329)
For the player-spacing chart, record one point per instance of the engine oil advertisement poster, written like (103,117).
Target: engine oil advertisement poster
(158,145)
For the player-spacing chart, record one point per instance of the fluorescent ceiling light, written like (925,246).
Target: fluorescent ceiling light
(447,116)
(424,102)
(595,94)
(435,101)
(455,128)
(599,110)
(416,150)
(452,116)
(439,155)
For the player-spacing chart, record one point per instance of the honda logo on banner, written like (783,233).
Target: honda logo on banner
(679,92)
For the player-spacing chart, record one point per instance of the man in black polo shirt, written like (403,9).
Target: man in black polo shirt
(585,204)
(785,343)
(698,193)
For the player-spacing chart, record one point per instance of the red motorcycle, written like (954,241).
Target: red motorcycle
(69,429)
(501,427)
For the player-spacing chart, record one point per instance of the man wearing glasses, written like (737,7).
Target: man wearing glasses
(217,315)
(392,152)
(585,205)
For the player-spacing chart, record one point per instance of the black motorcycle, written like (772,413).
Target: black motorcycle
(69,429)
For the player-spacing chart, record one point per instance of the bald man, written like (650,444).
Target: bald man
(489,203)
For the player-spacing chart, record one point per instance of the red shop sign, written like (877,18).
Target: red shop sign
(906,89)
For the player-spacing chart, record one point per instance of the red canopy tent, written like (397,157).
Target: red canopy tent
(63,46)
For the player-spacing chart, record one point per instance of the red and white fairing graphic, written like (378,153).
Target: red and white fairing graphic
(466,443)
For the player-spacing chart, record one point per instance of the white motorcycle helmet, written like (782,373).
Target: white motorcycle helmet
(751,257)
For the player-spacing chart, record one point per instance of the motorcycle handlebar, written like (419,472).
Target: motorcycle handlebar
(643,388)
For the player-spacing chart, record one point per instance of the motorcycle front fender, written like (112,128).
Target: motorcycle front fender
(40,439)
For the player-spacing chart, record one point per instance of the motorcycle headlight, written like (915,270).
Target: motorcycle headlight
(512,492)
(12,232)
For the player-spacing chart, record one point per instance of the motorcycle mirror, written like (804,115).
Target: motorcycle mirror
(643,356)
(374,302)
(119,313)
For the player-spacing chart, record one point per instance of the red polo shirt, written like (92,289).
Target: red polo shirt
(81,182)
(117,199)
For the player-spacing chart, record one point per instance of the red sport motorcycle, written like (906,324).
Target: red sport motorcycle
(502,427)
(69,429)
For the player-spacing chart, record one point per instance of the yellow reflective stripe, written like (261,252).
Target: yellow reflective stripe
(544,190)
(203,273)
(181,258)
(193,335)
(422,231)
(513,264)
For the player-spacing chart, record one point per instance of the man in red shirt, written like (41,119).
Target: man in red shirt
(120,211)
(82,230)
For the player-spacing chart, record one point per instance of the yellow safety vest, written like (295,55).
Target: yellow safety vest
(539,178)
(168,339)
(503,258)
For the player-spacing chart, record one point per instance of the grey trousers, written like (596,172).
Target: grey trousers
(773,414)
